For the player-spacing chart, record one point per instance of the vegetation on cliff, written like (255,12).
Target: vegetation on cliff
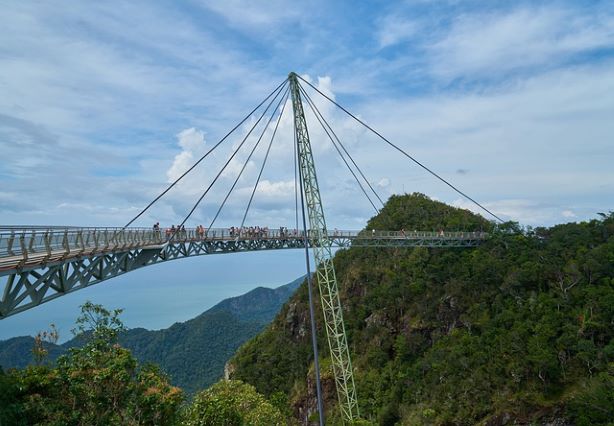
(520,328)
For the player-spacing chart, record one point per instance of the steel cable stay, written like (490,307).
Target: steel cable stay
(39,264)
(266,156)
(458,191)
(282,99)
(320,120)
(341,144)
(344,160)
(277,89)
(225,165)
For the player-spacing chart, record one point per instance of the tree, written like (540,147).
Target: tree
(99,383)
(44,337)
(10,409)
(232,403)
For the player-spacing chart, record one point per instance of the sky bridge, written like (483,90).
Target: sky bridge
(42,263)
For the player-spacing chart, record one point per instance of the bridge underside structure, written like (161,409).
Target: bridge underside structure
(38,265)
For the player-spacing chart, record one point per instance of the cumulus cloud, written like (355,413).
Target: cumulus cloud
(193,146)
(276,189)
(279,191)
(541,129)
(545,137)
(490,42)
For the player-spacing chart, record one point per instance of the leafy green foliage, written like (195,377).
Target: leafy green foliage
(99,383)
(232,403)
(594,404)
(10,409)
(521,327)
(192,353)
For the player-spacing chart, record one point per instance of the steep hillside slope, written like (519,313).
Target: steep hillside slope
(520,329)
(194,352)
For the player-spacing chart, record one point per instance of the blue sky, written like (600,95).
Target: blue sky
(103,103)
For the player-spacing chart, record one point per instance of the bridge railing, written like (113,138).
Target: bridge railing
(49,241)
(20,241)
(368,234)
(36,240)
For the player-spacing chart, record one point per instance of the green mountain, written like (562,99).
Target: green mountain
(194,352)
(517,331)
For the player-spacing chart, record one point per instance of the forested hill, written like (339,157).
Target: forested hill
(194,352)
(517,331)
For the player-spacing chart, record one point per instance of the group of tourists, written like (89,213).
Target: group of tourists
(260,232)
(249,231)
(284,232)
(252,232)
(179,229)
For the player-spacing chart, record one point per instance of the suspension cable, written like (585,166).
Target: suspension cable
(205,155)
(341,144)
(324,123)
(340,154)
(265,160)
(227,162)
(402,151)
(266,126)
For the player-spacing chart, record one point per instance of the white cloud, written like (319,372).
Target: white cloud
(79,84)
(280,191)
(568,214)
(81,68)
(383,182)
(482,43)
(394,29)
(525,211)
(242,13)
(192,143)
(545,140)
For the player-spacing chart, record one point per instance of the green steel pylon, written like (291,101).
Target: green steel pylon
(327,282)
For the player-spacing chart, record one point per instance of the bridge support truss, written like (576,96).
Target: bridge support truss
(322,248)
(38,265)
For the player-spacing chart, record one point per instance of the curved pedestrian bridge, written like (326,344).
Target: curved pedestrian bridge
(26,248)
(38,264)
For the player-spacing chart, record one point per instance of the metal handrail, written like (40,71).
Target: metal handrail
(28,240)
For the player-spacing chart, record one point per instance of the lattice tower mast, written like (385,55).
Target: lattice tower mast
(322,248)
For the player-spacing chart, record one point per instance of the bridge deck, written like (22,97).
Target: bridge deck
(25,248)
(41,264)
